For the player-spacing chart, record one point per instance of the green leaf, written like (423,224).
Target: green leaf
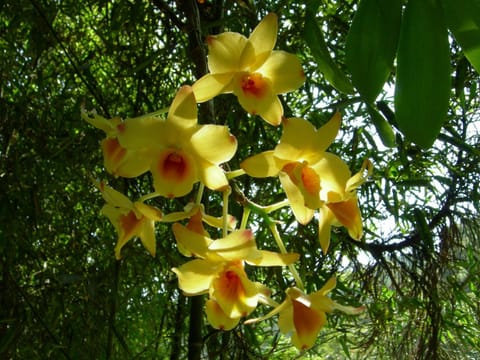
(372,44)
(384,129)
(463,19)
(315,41)
(422,86)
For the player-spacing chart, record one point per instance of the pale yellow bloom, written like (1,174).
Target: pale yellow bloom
(130,219)
(312,177)
(252,70)
(219,271)
(341,203)
(118,160)
(182,152)
(303,316)
(295,160)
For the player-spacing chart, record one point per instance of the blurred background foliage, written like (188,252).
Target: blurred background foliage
(63,294)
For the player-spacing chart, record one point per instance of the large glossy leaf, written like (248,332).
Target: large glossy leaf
(372,44)
(314,38)
(463,19)
(422,86)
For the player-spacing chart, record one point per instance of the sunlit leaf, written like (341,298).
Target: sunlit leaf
(372,44)
(422,86)
(315,41)
(463,19)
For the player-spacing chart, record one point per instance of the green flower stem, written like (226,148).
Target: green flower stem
(270,208)
(198,200)
(283,250)
(226,195)
(235,173)
(245,215)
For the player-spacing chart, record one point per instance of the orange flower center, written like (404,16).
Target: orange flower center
(254,85)
(346,212)
(307,321)
(129,223)
(195,223)
(112,150)
(173,165)
(303,176)
(231,287)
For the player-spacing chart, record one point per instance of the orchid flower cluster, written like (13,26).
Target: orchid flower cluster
(179,153)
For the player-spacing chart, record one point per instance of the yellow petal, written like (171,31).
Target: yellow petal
(255,95)
(307,181)
(285,320)
(299,142)
(196,276)
(128,227)
(307,323)
(149,212)
(283,307)
(360,177)
(328,132)
(334,174)
(212,176)
(302,213)
(234,292)
(147,236)
(217,318)
(263,38)
(175,216)
(284,71)
(329,286)
(269,258)
(238,245)
(114,197)
(214,143)
(108,126)
(225,51)
(122,162)
(218,221)
(211,85)
(325,220)
(260,165)
(195,243)
(183,111)
(348,214)
(271,110)
(349,309)
(195,224)
(174,173)
(141,132)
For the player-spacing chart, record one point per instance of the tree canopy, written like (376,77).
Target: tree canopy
(404,75)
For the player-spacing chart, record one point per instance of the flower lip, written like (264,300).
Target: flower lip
(113,151)
(173,165)
(129,223)
(253,85)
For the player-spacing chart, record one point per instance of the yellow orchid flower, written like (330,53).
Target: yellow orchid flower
(183,152)
(303,316)
(219,271)
(118,160)
(251,69)
(341,203)
(296,160)
(130,219)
